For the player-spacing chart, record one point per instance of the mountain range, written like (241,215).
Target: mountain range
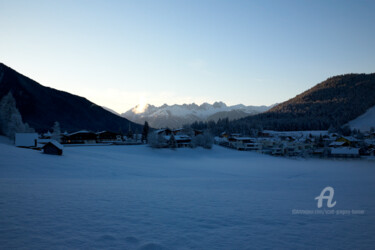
(41,106)
(175,116)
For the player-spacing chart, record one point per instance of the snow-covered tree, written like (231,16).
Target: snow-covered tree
(56,134)
(204,140)
(10,117)
(157,140)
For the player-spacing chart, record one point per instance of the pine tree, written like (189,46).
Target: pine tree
(145,131)
(172,142)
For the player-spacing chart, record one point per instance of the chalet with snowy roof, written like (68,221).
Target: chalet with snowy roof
(168,132)
(53,148)
(107,136)
(164,131)
(243,143)
(80,137)
(350,140)
(182,141)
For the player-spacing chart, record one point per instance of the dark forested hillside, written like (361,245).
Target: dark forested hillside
(41,106)
(335,102)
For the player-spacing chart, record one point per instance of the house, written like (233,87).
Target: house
(53,148)
(287,138)
(350,140)
(182,141)
(177,131)
(164,131)
(345,152)
(244,143)
(107,136)
(369,135)
(80,137)
(26,139)
(224,135)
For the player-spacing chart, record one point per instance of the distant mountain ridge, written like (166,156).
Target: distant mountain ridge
(175,116)
(41,106)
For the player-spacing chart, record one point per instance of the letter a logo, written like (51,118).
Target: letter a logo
(327,197)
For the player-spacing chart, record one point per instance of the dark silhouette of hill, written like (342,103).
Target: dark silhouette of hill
(41,106)
(334,102)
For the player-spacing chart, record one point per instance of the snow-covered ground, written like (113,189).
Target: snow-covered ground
(365,121)
(135,197)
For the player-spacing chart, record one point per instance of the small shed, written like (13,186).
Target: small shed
(53,148)
(26,139)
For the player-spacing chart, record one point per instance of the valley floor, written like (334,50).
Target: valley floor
(135,197)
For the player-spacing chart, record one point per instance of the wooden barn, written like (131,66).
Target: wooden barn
(53,148)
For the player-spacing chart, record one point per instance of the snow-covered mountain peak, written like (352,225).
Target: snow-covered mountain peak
(177,115)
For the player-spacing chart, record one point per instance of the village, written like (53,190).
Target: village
(302,143)
(289,144)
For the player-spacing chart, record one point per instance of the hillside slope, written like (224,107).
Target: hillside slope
(41,106)
(335,102)
(364,122)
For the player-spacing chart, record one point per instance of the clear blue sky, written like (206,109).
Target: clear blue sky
(119,53)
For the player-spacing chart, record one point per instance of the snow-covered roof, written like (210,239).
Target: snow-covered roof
(337,143)
(345,151)
(105,131)
(349,138)
(80,132)
(56,144)
(243,138)
(182,137)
